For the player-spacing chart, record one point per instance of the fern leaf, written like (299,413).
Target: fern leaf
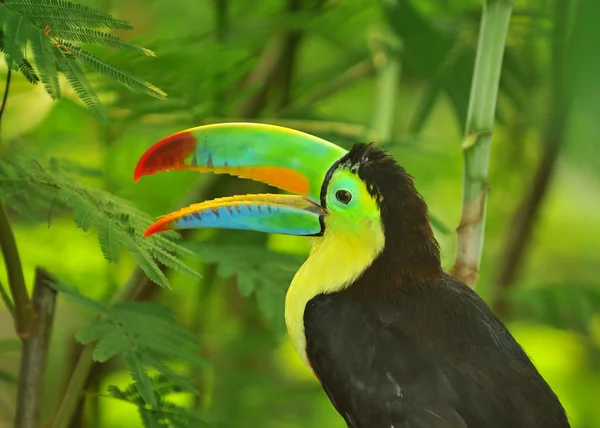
(86,35)
(174,263)
(27,70)
(76,296)
(14,38)
(93,331)
(45,62)
(168,376)
(110,345)
(78,80)
(85,211)
(140,376)
(67,14)
(144,260)
(114,72)
(107,237)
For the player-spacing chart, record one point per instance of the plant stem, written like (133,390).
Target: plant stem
(553,139)
(74,389)
(361,70)
(7,301)
(16,280)
(34,353)
(477,141)
(387,90)
(5,97)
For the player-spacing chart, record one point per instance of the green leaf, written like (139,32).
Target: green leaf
(57,188)
(140,377)
(114,72)
(145,262)
(76,296)
(86,35)
(165,414)
(80,84)
(14,38)
(108,239)
(174,263)
(45,61)
(27,70)
(110,345)
(64,14)
(85,211)
(260,272)
(94,331)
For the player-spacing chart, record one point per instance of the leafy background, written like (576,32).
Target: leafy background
(394,72)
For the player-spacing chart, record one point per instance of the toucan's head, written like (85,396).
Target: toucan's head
(359,197)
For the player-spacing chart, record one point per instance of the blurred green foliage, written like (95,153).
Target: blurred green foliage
(313,65)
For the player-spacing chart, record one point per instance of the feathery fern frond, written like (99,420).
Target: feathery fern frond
(260,272)
(27,70)
(116,222)
(46,62)
(86,35)
(114,72)
(48,26)
(165,414)
(66,14)
(138,331)
(15,29)
(75,74)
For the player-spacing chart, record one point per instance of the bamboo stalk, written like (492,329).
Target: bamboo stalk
(477,142)
(385,104)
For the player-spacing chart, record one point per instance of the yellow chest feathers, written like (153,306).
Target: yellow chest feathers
(335,261)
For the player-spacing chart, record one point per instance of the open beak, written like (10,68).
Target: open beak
(285,158)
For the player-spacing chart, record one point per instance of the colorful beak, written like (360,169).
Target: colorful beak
(285,158)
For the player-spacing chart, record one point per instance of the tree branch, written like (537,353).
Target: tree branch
(5,97)
(477,142)
(553,138)
(34,353)
(16,280)
(357,72)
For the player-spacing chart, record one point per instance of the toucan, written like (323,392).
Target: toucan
(395,341)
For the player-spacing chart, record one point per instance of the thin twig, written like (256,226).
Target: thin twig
(7,301)
(361,70)
(16,280)
(5,97)
(477,142)
(553,139)
(34,353)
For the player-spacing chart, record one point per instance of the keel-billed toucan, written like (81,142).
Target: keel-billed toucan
(395,341)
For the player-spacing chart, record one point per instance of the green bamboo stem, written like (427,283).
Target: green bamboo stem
(16,281)
(388,78)
(477,142)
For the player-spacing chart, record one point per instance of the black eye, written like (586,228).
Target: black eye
(343,196)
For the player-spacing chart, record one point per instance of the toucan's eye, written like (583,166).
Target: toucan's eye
(343,196)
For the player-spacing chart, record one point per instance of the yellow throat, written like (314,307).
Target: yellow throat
(336,259)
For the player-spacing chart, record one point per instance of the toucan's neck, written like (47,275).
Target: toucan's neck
(411,257)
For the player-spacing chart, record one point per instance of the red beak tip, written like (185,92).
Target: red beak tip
(157,227)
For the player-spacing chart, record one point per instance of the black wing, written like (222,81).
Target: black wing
(374,375)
